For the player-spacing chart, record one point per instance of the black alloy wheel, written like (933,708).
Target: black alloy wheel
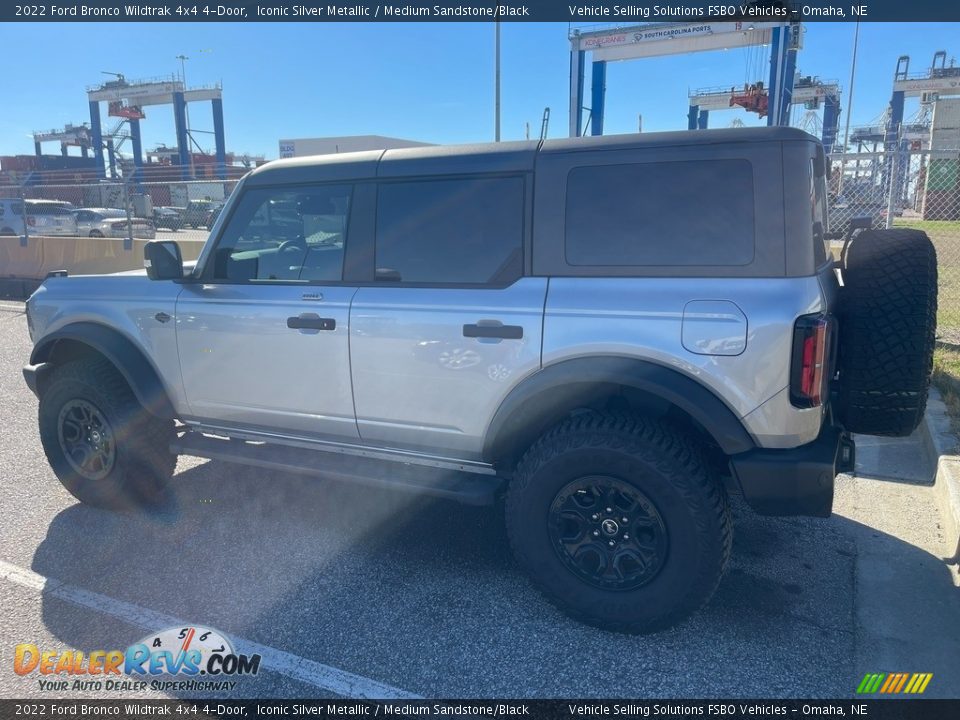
(86,439)
(608,533)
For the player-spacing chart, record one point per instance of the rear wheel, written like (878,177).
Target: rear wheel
(888,317)
(620,522)
(96,234)
(102,445)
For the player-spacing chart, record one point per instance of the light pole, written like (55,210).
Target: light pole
(846,129)
(186,108)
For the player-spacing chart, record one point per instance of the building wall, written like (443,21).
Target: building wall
(301,147)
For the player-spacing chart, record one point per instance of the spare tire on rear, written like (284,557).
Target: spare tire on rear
(888,317)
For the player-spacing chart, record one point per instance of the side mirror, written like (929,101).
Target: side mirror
(163,260)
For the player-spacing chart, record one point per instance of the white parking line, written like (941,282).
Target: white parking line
(298,668)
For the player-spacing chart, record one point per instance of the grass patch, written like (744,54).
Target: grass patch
(945,235)
(946,378)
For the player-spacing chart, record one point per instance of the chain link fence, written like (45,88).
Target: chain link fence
(113,209)
(911,189)
(917,189)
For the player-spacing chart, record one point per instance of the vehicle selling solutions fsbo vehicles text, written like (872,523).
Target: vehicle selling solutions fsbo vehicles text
(676,11)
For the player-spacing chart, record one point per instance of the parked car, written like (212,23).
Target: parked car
(43,217)
(168,217)
(201,213)
(112,223)
(610,334)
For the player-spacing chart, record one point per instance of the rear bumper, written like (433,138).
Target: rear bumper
(798,481)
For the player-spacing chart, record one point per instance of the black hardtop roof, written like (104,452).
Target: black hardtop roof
(503,157)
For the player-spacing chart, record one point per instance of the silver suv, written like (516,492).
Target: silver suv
(36,217)
(610,335)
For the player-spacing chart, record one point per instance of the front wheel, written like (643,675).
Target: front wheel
(102,445)
(620,522)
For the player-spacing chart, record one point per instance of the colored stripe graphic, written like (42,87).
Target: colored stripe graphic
(870,683)
(894,683)
(903,680)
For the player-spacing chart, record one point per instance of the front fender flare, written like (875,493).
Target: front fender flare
(123,354)
(549,394)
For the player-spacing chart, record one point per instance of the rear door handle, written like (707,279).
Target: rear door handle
(311,322)
(503,332)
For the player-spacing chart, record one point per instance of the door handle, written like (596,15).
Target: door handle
(311,322)
(503,332)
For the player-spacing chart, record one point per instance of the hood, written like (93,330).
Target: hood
(188,266)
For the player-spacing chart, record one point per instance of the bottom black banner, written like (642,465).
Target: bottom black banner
(537,709)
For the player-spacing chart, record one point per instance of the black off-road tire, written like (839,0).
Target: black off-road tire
(888,320)
(142,465)
(669,469)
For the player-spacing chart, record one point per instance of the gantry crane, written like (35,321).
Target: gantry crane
(657,39)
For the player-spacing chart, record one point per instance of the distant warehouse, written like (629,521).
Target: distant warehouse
(348,143)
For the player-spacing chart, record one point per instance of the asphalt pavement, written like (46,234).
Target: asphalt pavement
(348,591)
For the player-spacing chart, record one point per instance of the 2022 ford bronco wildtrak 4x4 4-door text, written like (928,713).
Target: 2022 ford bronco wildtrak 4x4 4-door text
(611,334)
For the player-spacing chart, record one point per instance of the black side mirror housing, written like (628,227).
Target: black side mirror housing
(163,260)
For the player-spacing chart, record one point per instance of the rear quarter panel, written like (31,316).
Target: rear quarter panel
(643,318)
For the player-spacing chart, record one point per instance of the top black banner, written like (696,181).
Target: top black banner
(622,12)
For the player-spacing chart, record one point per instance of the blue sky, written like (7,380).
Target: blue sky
(429,81)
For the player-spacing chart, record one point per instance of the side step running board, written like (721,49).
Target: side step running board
(468,488)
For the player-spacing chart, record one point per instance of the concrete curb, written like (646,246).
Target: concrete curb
(942,445)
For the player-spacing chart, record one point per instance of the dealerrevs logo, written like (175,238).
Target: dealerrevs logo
(186,652)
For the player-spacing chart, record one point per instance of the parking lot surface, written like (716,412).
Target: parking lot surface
(352,591)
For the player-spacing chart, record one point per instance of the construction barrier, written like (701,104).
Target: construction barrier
(24,262)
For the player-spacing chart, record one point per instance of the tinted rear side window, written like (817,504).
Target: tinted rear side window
(47,209)
(661,214)
(463,231)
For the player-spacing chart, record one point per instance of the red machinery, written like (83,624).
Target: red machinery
(130,112)
(754,98)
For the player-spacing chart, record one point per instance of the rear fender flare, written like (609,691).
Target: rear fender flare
(547,396)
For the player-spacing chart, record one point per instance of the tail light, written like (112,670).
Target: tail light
(810,372)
